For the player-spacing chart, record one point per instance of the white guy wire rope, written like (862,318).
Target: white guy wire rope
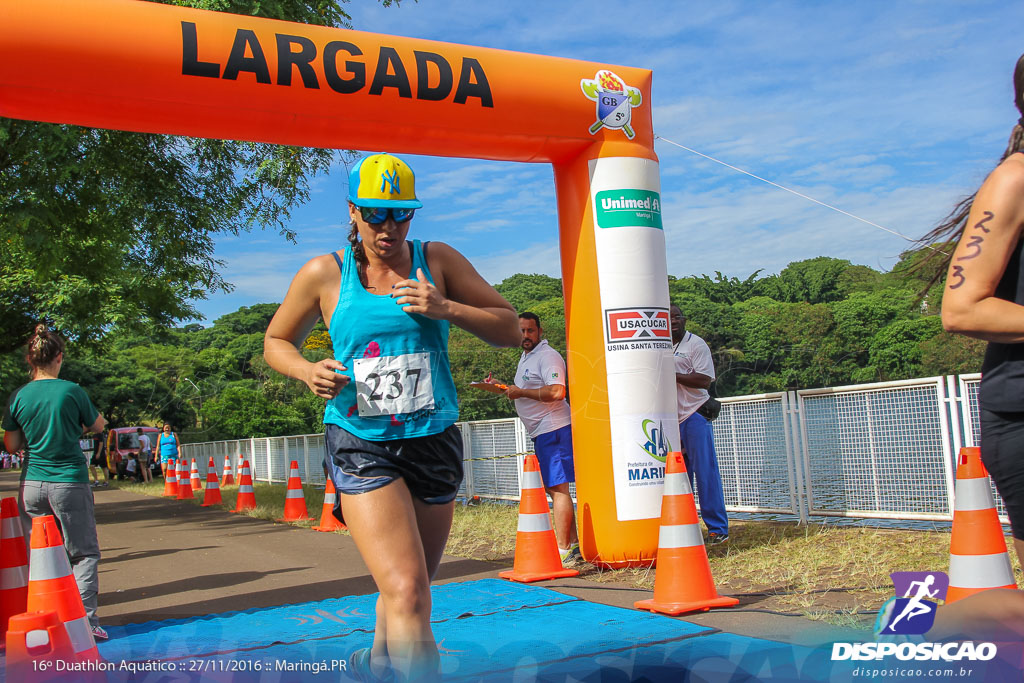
(791,191)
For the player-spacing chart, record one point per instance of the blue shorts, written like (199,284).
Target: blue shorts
(431,466)
(554,453)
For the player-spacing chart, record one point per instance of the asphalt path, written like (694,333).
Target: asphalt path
(168,559)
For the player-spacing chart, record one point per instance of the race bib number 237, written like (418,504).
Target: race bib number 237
(393,385)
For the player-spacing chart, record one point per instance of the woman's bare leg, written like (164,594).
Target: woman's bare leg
(401,540)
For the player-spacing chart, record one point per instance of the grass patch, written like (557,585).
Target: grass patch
(484,532)
(836,574)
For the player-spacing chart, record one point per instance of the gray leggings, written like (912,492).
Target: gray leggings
(71,504)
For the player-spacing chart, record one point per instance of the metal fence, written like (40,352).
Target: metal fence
(879,451)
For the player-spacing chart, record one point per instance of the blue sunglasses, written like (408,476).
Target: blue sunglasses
(377,215)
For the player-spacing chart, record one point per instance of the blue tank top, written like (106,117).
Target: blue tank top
(168,447)
(401,382)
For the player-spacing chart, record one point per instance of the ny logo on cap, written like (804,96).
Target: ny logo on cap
(390,178)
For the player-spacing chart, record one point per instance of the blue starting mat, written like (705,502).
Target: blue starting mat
(486,630)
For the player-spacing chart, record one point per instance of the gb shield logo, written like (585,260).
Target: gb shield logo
(615,101)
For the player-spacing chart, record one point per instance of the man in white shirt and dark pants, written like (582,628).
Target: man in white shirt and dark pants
(695,371)
(539,396)
(145,453)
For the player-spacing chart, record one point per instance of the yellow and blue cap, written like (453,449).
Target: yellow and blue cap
(383,181)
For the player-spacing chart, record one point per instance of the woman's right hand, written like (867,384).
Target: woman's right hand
(322,379)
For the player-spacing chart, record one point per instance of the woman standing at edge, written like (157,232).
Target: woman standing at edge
(393,451)
(46,417)
(168,445)
(984,298)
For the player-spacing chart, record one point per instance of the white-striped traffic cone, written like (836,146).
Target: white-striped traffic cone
(246,495)
(295,509)
(683,582)
(194,480)
(537,555)
(978,559)
(212,495)
(51,586)
(13,564)
(228,479)
(184,485)
(328,522)
(171,479)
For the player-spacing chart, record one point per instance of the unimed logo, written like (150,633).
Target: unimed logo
(921,652)
(624,325)
(628,208)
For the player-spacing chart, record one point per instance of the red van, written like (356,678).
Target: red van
(123,442)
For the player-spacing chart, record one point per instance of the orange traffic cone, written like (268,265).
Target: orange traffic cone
(977,554)
(171,479)
(51,586)
(328,522)
(32,639)
(194,480)
(246,495)
(212,496)
(537,555)
(683,581)
(294,500)
(13,563)
(238,470)
(228,479)
(184,486)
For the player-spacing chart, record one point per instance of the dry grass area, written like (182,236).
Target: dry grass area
(838,574)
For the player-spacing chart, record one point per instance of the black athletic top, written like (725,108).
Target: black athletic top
(1002,372)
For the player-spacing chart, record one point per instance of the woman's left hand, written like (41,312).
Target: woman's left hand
(421,296)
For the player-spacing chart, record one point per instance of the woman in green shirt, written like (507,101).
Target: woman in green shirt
(47,417)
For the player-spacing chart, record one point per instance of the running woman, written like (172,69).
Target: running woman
(393,451)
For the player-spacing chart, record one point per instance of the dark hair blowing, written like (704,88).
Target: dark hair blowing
(43,347)
(953,225)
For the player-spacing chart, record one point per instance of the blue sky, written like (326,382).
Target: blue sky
(890,111)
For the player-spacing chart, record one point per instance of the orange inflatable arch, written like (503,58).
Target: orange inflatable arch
(140,66)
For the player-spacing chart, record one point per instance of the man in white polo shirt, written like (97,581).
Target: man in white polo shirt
(539,395)
(695,371)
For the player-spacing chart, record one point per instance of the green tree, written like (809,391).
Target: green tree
(720,289)
(524,292)
(472,360)
(951,354)
(896,351)
(242,409)
(817,280)
(104,228)
(783,346)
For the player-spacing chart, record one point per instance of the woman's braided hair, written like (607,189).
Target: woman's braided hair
(357,245)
